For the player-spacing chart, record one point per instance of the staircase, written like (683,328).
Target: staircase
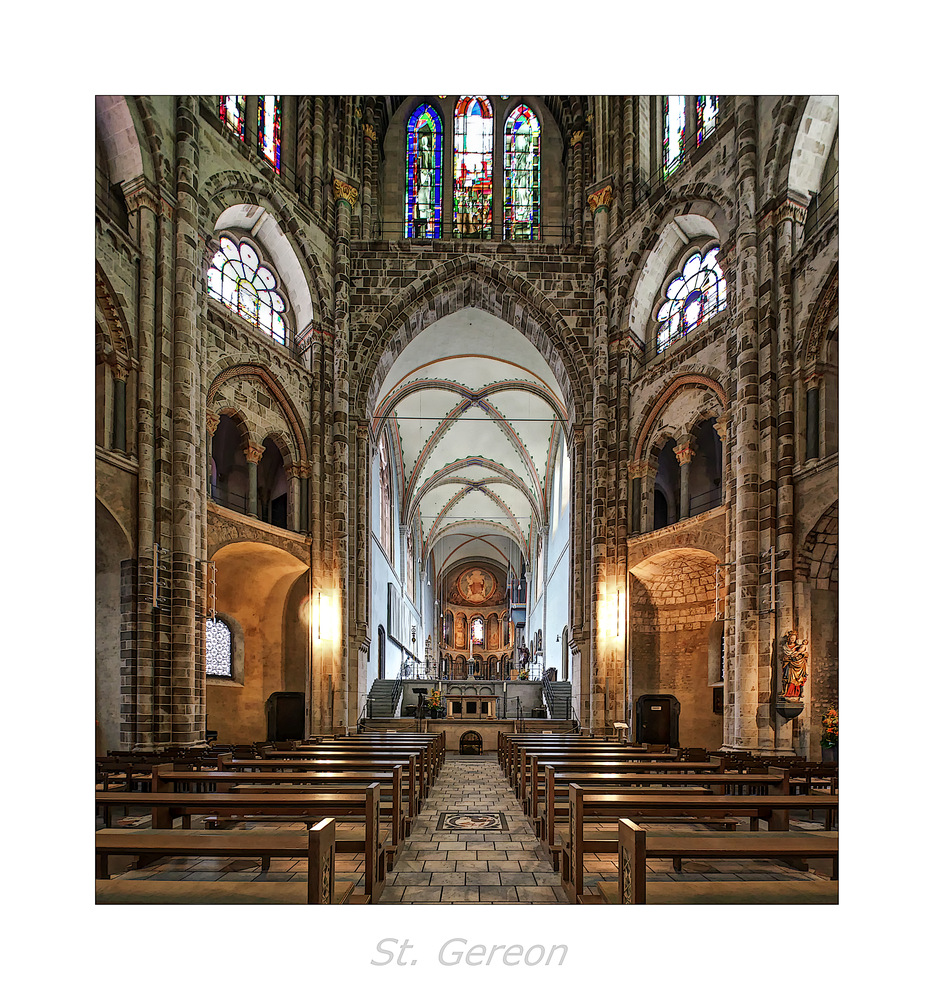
(558,699)
(380,702)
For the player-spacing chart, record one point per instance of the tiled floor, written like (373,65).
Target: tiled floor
(503,866)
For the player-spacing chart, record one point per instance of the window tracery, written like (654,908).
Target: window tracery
(691,297)
(707,108)
(218,660)
(674,121)
(241,282)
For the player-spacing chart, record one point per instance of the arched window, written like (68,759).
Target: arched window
(673,123)
(423,174)
(385,498)
(268,129)
(233,114)
(694,295)
(521,171)
(707,108)
(476,631)
(238,279)
(219,661)
(410,568)
(473,168)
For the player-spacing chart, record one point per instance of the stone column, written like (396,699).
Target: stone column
(187,703)
(119,407)
(750,700)
(684,452)
(345,198)
(599,202)
(629,136)
(140,656)
(649,470)
(254,453)
(812,384)
(370,151)
(576,184)
(294,516)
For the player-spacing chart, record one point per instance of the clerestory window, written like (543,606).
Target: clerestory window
(238,278)
(691,297)
(232,112)
(219,661)
(423,173)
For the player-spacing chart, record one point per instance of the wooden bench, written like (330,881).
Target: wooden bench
(361,806)
(558,778)
(392,806)
(520,768)
(341,759)
(318,846)
(637,846)
(789,892)
(594,806)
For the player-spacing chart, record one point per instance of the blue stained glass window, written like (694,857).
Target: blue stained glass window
(673,124)
(707,108)
(521,170)
(423,174)
(694,295)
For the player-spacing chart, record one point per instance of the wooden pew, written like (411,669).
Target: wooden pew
(435,742)
(318,845)
(168,778)
(637,846)
(361,805)
(521,773)
(336,757)
(558,778)
(313,765)
(587,806)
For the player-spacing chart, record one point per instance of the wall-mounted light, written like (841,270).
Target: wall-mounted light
(322,617)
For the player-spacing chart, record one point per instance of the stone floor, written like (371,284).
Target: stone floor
(499,866)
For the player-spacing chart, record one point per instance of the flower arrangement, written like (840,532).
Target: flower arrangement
(434,698)
(829,729)
(524,674)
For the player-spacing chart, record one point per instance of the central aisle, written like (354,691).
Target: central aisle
(444,866)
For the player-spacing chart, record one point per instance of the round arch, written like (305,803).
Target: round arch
(663,399)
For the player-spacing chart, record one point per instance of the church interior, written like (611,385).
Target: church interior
(466,499)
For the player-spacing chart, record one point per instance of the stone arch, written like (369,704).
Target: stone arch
(115,120)
(663,398)
(115,331)
(813,139)
(705,201)
(232,188)
(477,281)
(282,441)
(788,114)
(817,557)
(274,387)
(824,310)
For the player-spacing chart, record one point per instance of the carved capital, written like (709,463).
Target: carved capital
(813,378)
(369,132)
(345,192)
(253,452)
(792,210)
(139,193)
(119,369)
(722,427)
(601,199)
(684,453)
(213,421)
(638,470)
(577,137)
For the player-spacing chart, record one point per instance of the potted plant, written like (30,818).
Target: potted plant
(434,702)
(524,674)
(829,735)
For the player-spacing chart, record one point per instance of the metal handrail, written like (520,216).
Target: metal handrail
(396,691)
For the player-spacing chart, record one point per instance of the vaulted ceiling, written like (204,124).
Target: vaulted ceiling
(474,415)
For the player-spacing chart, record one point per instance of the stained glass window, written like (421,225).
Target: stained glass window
(385,498)
(521,175)
(237,279)
(673,122)
(473,168)
(233,114)
(217,643)
(697,293)
(423,173)
(707,108)
(476,631)
(268,134)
